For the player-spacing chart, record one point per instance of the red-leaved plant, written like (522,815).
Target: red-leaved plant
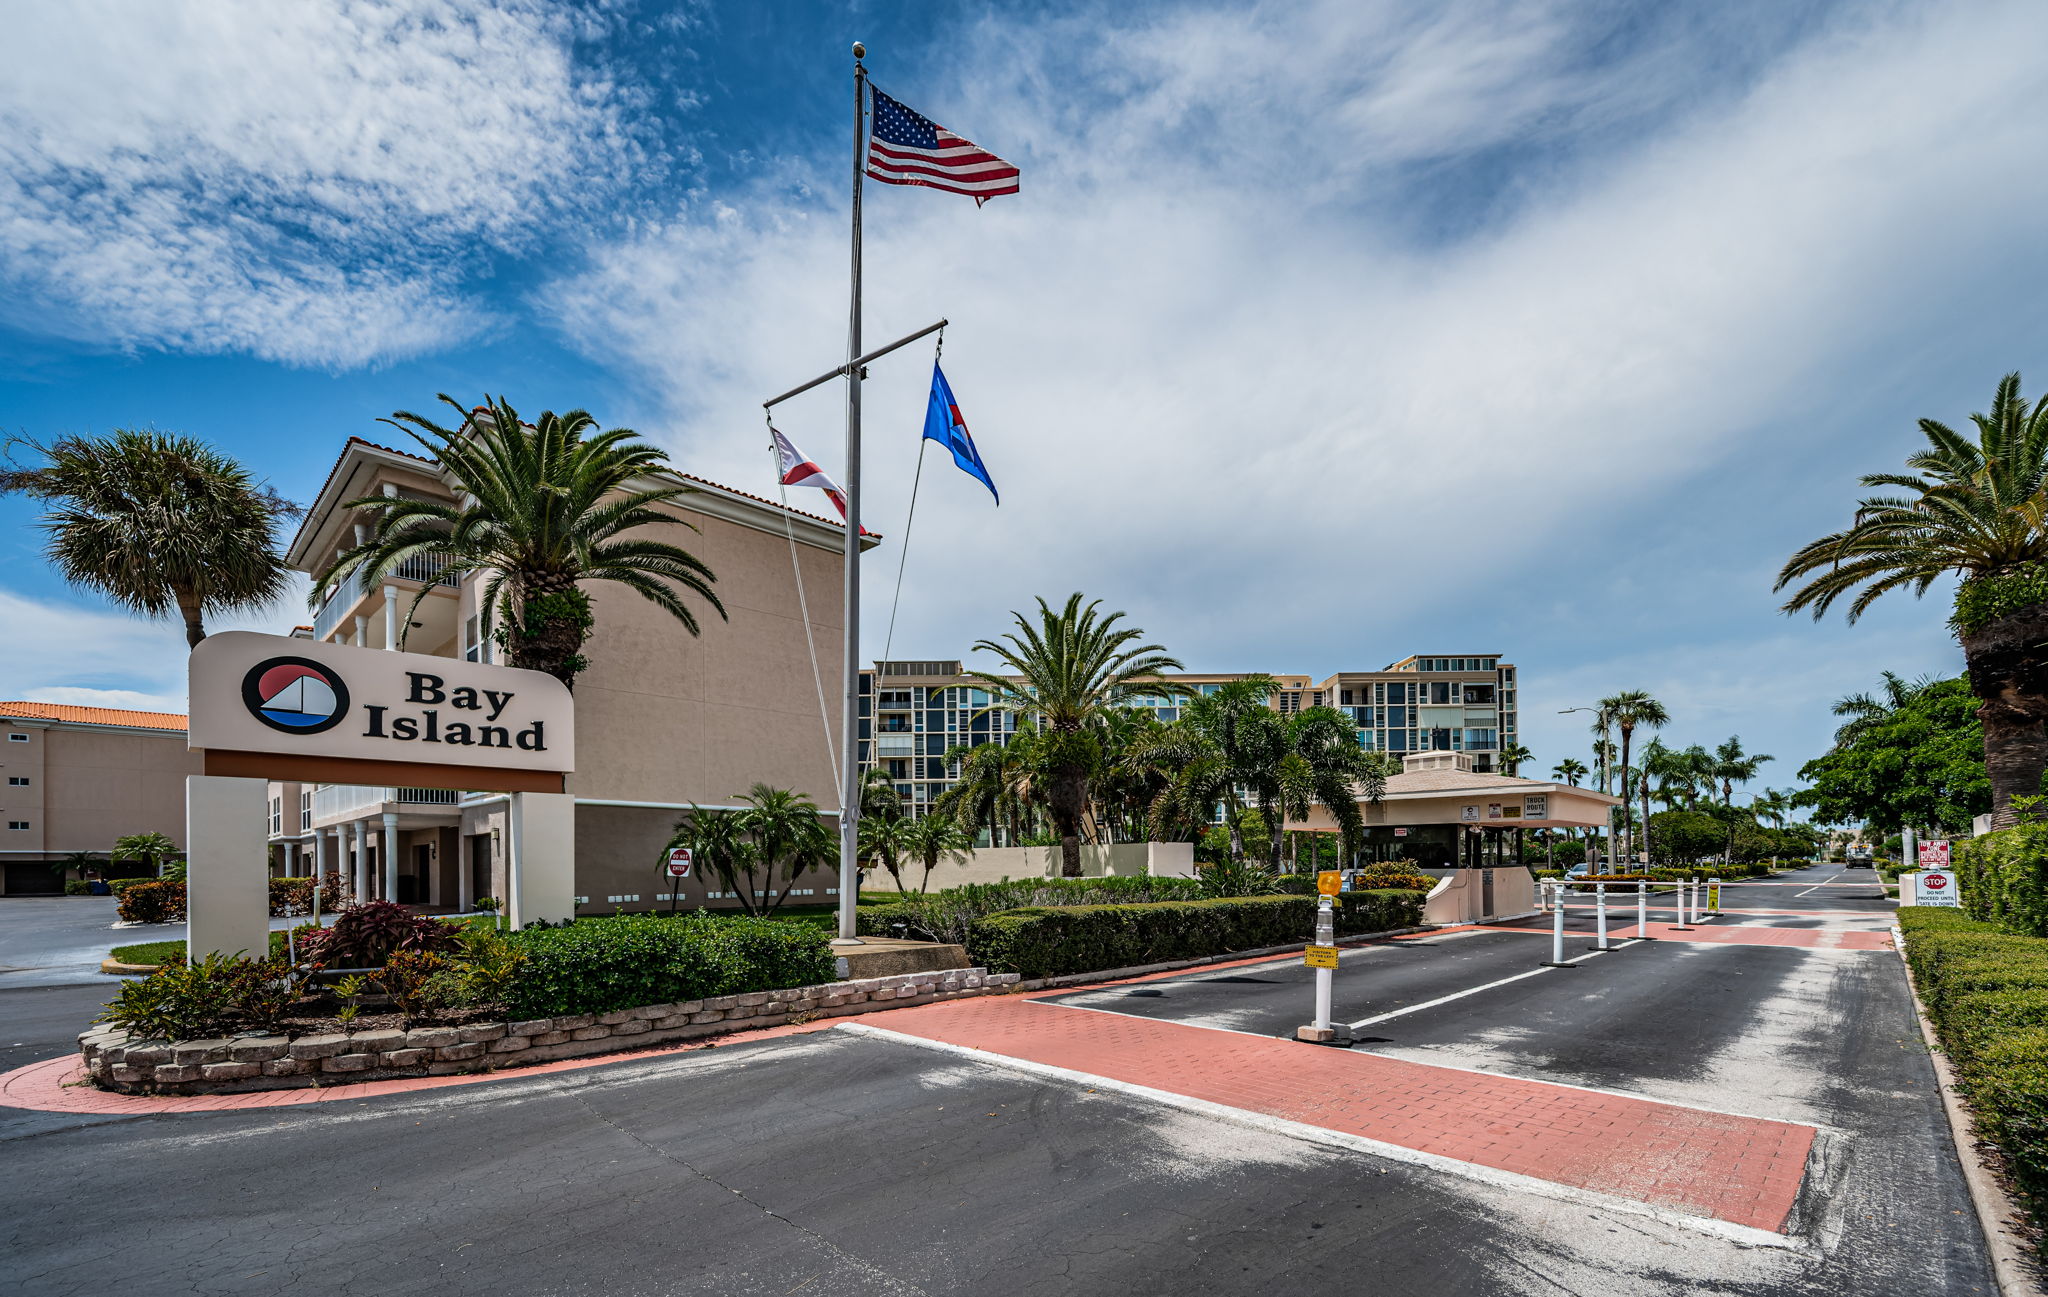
(364,936)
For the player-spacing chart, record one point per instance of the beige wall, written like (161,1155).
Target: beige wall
(662,716)
(90,784)
(995,864)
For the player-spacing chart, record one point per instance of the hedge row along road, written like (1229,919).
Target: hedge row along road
(1747,1109)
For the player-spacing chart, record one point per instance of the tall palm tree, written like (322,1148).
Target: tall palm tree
(1073,666)
(163,525)
(1976,507)
(1626,711)
(880,841)
(544,507)
(1324,766)
(996,785)
(1732,766)
(1513,755)
(1771,805)
(1866,711)
(1571,770)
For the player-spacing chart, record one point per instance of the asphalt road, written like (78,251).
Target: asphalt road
(60,940)
(840,1163)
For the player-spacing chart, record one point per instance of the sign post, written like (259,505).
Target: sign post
(1932,887)
(677,867)
(1322,956)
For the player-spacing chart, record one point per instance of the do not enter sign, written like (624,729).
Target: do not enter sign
(679,862)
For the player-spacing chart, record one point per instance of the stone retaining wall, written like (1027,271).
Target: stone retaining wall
(259,1062)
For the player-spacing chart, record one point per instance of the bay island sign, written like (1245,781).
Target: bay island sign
(268,706)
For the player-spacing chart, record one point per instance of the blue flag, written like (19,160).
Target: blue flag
(943,424)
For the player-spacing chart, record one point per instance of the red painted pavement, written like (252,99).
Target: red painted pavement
(1739,1169)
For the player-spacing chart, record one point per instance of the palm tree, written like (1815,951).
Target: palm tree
(1625,711)
(776,832)
(1865,712)
(1977,508)
(1772,805)
(1323,765)
(1513,755)
(930,837)
(1571,770)
(163,525)
(996,785)
(1074,666)
(544,508)
(1732,766)
(881,842)
(150,850)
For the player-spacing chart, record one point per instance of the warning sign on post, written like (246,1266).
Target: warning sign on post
(1935,887)
(1934,855)
(678,862)
(1320,956)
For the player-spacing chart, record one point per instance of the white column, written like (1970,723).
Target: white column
(362,631)
(360,876)
(323,855)
(390,852)
(390,619)
(291,859)
(541,855)
(227,822)
(465,872)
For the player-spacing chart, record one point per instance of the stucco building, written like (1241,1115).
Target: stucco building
(76,778)
(665,720)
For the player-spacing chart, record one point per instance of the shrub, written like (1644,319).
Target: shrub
(154,901)
(77,887)
(120,885)
(1986,992)
(218,995)
(948,916)
(1050,941)
(366,935)
(1228,878)
(597,966)
(290,896)
(2004,878)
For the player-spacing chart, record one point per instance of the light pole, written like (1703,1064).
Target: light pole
(1606,746)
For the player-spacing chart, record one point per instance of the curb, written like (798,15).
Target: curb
(1234,957)
(1995,1207)
(119,969)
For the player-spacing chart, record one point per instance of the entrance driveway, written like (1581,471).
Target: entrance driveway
(1151,1137)
(60,940)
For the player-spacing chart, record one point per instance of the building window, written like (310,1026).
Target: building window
(17,781)
(17,824)
(305,811)
(17,738)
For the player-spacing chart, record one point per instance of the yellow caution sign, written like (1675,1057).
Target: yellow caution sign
(1329,882)
(1320,956)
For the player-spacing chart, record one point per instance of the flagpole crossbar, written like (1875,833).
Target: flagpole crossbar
(850,366)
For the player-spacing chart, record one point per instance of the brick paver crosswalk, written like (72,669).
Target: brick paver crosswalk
(1744,1170)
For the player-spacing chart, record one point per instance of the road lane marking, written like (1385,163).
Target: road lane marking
(1474,990)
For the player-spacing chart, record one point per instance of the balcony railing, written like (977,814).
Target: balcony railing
(426,569)
(334,801)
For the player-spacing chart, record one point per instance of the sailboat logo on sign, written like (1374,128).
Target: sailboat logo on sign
(295,695)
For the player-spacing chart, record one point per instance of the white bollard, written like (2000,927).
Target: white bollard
(1679,910)
(1322,1030)
(1556,959)
(1643,910)
(1600,912)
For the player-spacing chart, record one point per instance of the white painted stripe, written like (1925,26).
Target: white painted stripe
(1745,1234)
(1446,999)
(1817,886)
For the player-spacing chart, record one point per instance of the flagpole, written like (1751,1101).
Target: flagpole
(849,725)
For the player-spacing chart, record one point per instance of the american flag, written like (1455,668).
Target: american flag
(907,148)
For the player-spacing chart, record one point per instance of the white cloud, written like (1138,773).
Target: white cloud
(63,653)
(1224,380)
(303,181)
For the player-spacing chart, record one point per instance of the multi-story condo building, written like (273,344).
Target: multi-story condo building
(913,711)
(665,721)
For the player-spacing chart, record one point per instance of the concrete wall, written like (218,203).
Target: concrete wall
(1460,895)
(994,864)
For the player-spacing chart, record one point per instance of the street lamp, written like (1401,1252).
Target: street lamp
(1606,746)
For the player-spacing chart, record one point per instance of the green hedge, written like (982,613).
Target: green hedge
(1051,941)
(2004,878)
(1986,991)
(634,959)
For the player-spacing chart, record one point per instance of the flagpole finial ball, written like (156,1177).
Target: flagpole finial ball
(860,51)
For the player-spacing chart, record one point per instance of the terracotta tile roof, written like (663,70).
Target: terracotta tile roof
(92,715)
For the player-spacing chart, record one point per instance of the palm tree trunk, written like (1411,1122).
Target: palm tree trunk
(191,614)
(1069,795)
(2008,667)
(1628,840)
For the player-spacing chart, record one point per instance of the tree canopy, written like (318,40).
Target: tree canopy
(1916,759)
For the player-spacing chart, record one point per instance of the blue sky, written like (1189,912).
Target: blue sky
(1321,333)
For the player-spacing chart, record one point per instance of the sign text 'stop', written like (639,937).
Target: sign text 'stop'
(304,698)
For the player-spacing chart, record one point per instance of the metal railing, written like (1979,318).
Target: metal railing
(333,801)
(427,569)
